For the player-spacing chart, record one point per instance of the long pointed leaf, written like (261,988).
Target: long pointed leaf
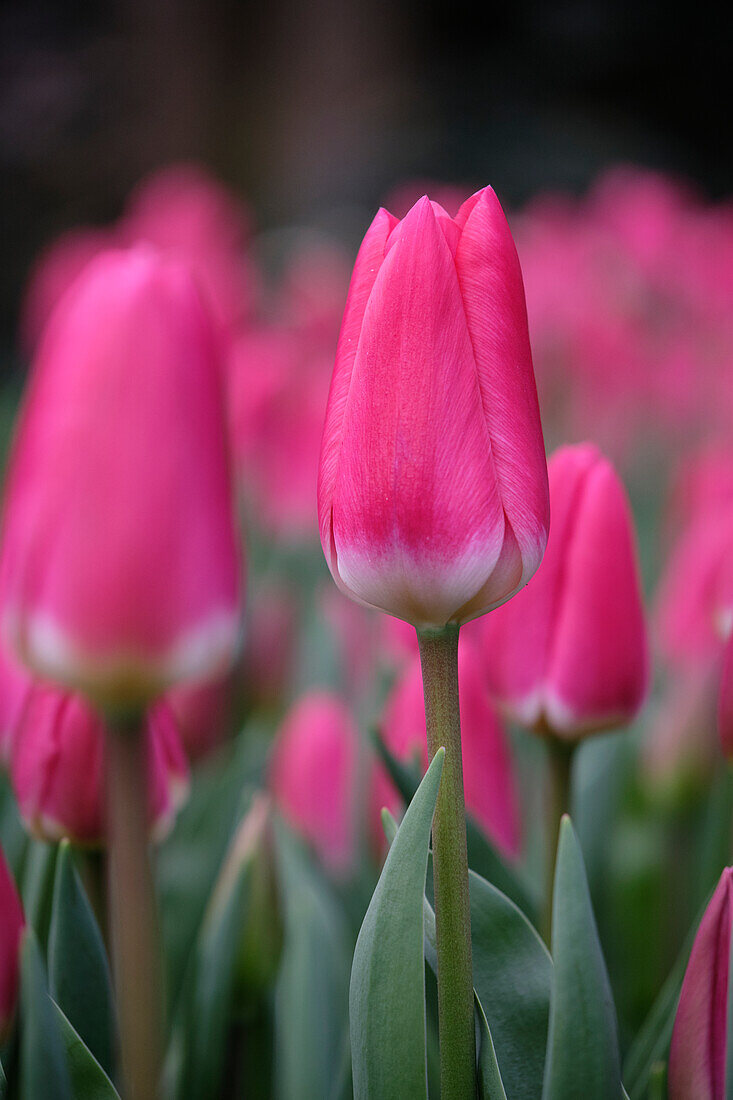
(490,1084)
(582,1047)
(88,1079)
(43,1071)
(387,994)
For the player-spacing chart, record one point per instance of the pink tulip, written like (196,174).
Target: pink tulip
(269,645)
(313,777)
(698,1051)
(11,928)
(725,702)
(487,767)
(201,712)
(15,683)
(433,501)
(57,767)
(120,561)
(570,652)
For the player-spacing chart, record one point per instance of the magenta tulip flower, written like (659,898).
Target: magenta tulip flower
(57,767)
(15,683)
(487,766)
(698,1052)
(11,927)
(569,654)
(120,569)
(433,502)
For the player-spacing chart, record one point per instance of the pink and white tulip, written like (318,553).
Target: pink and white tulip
(57,767)
(433,501)
(120,568)
(12,922)
(570,652)
(488,774)
(697,1055)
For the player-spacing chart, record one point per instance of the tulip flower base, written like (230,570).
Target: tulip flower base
(439,657)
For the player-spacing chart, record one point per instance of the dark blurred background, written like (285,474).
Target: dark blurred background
(315,109)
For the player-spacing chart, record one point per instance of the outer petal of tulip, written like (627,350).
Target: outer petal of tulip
(11,927)
(120,561)
(58,767)
(487,766)
(698,1052)
(312,776)
(411,512)
(15,683)
(570,651)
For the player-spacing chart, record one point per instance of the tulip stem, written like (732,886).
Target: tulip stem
(133,921)
(560,758)
(439,659)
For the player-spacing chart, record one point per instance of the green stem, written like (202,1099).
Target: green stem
(132,913)
(439,658)
(560,759)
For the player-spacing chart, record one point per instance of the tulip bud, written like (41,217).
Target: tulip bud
(433,502)
(57,767)
(569,654)
(697,1055)
(487,766)
(120,567)
(11,927)
(15,683)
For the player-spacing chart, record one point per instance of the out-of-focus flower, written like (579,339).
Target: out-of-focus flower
(678,750)
(570,652)
(201,712)
(11,928)
(313,289)
(433,500)
(269,646)
(697,1054)
(487,767)
(725,702)
(57,767)
(314,775)
(189,215)
(53,273)
(15,683)
(120,566)
(356,633)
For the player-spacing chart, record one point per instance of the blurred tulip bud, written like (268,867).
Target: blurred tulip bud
(11,927)
(725,702)
(697,1055)
(248,879)
(120,559)
(488,774)
(57,767)
(314,776)
(569,654)
(15,683)
(269,645)
(433,502)
(201,713)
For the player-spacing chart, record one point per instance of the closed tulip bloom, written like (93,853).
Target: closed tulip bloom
(15,683)
(57,767)
(698,1052)
(433,502)
(120,562)
(11,927)
(570,652)
(487,766)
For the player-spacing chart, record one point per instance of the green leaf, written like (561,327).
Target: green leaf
(3,1083)
(490,1084)
(582,1046)
(483,858)
(43,1071)
(311,995)
(78,970)
(651,1045)
(387,993)
(88,1079)
(36,886)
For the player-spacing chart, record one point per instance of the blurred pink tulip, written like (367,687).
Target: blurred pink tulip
(313,777)
(120,569)
(57,767)
(11,928)
(269,643)
(53,273)
(725,702)
(201,712)
(433,500)
(697,1055)
(15,683)
(487,767)
(570,652)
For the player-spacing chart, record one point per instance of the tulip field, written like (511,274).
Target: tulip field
(366,651)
